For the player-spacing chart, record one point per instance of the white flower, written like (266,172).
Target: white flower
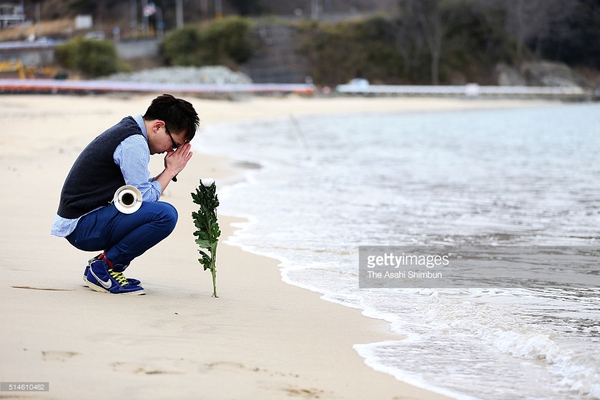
(207,182)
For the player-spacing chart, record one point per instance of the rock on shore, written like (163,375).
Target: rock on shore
(182,75)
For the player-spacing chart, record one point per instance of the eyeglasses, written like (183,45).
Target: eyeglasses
(175,145)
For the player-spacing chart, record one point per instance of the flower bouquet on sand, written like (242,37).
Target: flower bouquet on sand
(207,227)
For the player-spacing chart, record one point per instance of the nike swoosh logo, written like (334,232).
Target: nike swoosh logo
(107,284)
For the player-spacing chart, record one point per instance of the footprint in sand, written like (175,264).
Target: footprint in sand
(58,355)
(136,368)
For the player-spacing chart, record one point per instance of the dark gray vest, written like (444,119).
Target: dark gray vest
(95,177)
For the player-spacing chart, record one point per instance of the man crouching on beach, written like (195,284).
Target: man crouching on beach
(120,156)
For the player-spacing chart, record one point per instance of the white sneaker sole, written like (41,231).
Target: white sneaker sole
(100,289)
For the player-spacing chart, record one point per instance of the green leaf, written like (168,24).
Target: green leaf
(207,227)
(205,244)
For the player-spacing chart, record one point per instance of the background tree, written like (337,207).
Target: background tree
(574,38)
(409,45)
(248,7)
(338,52)
(532,21)
(429,24)
(475,40)
(225,41)
(91,57)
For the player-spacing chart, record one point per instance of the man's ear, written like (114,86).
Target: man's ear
(157,124)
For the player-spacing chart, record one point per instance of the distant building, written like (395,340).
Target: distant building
(11,14)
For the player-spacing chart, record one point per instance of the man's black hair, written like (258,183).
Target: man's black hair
(178,114)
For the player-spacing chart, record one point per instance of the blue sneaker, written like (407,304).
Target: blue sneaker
(131,281)
(103,279)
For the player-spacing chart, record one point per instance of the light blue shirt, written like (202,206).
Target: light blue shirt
(132,155)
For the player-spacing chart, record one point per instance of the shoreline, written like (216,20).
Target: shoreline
(270,338)
(364,329)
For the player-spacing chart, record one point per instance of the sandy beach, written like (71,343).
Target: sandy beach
(261,339)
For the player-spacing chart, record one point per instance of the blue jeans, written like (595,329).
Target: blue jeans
(124,237)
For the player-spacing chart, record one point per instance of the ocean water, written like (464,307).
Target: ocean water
(318,187)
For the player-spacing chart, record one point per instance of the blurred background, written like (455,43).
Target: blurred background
(325,42)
